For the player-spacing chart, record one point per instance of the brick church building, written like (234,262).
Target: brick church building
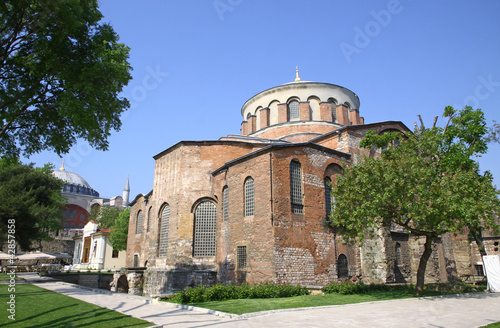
(251,207)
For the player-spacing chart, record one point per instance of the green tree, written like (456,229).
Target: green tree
(105,216)
(31,203)
(116,221)
(119,231)
(428,184)
(61,71)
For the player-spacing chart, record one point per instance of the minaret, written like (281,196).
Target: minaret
(126,193)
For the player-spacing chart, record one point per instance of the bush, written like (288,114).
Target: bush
(221,292)
(347,288)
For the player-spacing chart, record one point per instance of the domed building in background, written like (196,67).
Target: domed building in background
(81,199)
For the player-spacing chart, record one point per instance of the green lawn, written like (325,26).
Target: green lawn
(5,276)
(242,306)
(38,307)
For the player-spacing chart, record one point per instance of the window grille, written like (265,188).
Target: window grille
(225,203)
(296,187)
(293,110)
(399,260)
(479,270)
(165,218)
(249,197)
(328,196)
(204,229)
(135,264)
(139,222)
(342,269)
(149,220)
(241,257)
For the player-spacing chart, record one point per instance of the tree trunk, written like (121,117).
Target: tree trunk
(478,237)
(419,288)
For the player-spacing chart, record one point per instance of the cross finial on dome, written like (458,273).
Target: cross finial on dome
(297,78)
(62,166)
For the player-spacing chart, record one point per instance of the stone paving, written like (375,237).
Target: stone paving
(465,310)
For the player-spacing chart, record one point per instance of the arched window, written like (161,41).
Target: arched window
(249,197)
(139,222)
(225,203)
(205,220)
(296,187)
(164,222)
(398,254)
(148,228)
(342,269)
(328,196)
(293,110)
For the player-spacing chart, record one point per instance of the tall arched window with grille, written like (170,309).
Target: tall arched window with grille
(293,110)
(139,222)
(148,228)
(342,268)
(249,197)
(164,223)
(205,222)
(225,203)
(399,260)
(296,187)
(328,196)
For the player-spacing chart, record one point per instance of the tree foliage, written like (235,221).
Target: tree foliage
(429,184)
(119,231)
(61,71)
(116,220)
(31,201)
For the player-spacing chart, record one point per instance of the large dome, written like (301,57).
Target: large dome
(74,183)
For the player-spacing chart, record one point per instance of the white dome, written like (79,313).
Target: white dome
(70,178)
(73,183)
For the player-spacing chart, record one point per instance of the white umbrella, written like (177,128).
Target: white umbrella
(5,256)
(35,256)
(61,255)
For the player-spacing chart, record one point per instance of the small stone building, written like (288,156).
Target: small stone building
(251,207)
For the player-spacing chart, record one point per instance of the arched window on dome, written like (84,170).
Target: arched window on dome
(333,104)
(139,222)
(296,187)
(293,110)
(164,223)
(205,222)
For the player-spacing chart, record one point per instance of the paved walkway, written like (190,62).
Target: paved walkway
(466,310)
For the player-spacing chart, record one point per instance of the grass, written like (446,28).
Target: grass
(492,325)
(5,276)
(38,307)
(242,306)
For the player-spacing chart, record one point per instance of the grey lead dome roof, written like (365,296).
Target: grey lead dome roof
(70,177)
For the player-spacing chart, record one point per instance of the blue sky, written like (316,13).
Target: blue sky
(197,61)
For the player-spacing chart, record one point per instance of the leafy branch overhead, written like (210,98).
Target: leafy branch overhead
(426,182)
(61,72)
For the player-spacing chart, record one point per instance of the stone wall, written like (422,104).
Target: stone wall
(93,280)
